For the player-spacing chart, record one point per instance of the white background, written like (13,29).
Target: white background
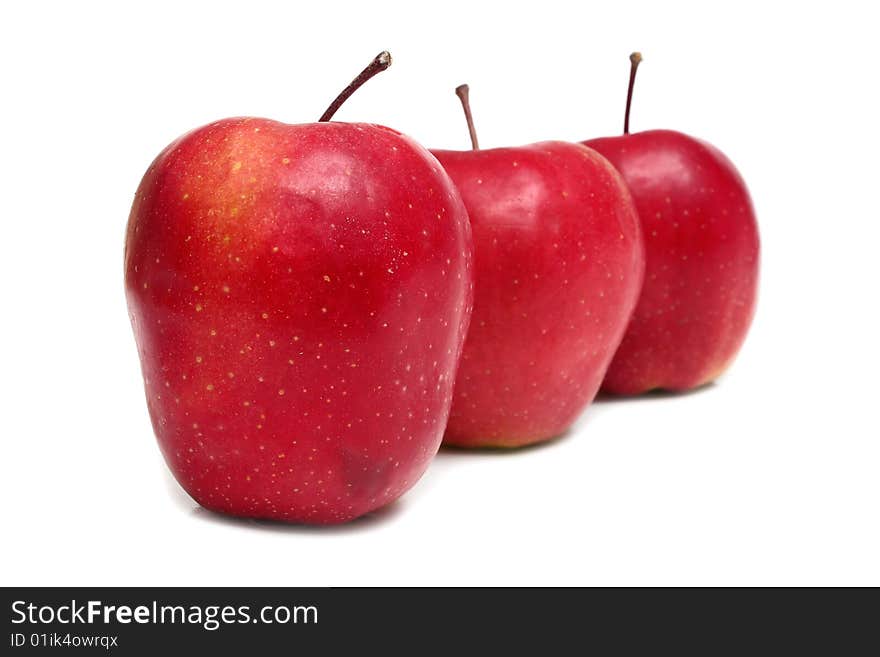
(772,476)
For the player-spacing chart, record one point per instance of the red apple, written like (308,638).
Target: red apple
(299,296)
(558,268)
(701,254)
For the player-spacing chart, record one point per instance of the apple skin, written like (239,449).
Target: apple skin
(299,296)
(702,260)
(558,267)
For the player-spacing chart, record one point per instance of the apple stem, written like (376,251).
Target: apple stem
(462,92)
(379,64)
(634,60)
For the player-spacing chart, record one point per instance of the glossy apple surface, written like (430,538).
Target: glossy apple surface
(702,260)
(558,268)
(299,296)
